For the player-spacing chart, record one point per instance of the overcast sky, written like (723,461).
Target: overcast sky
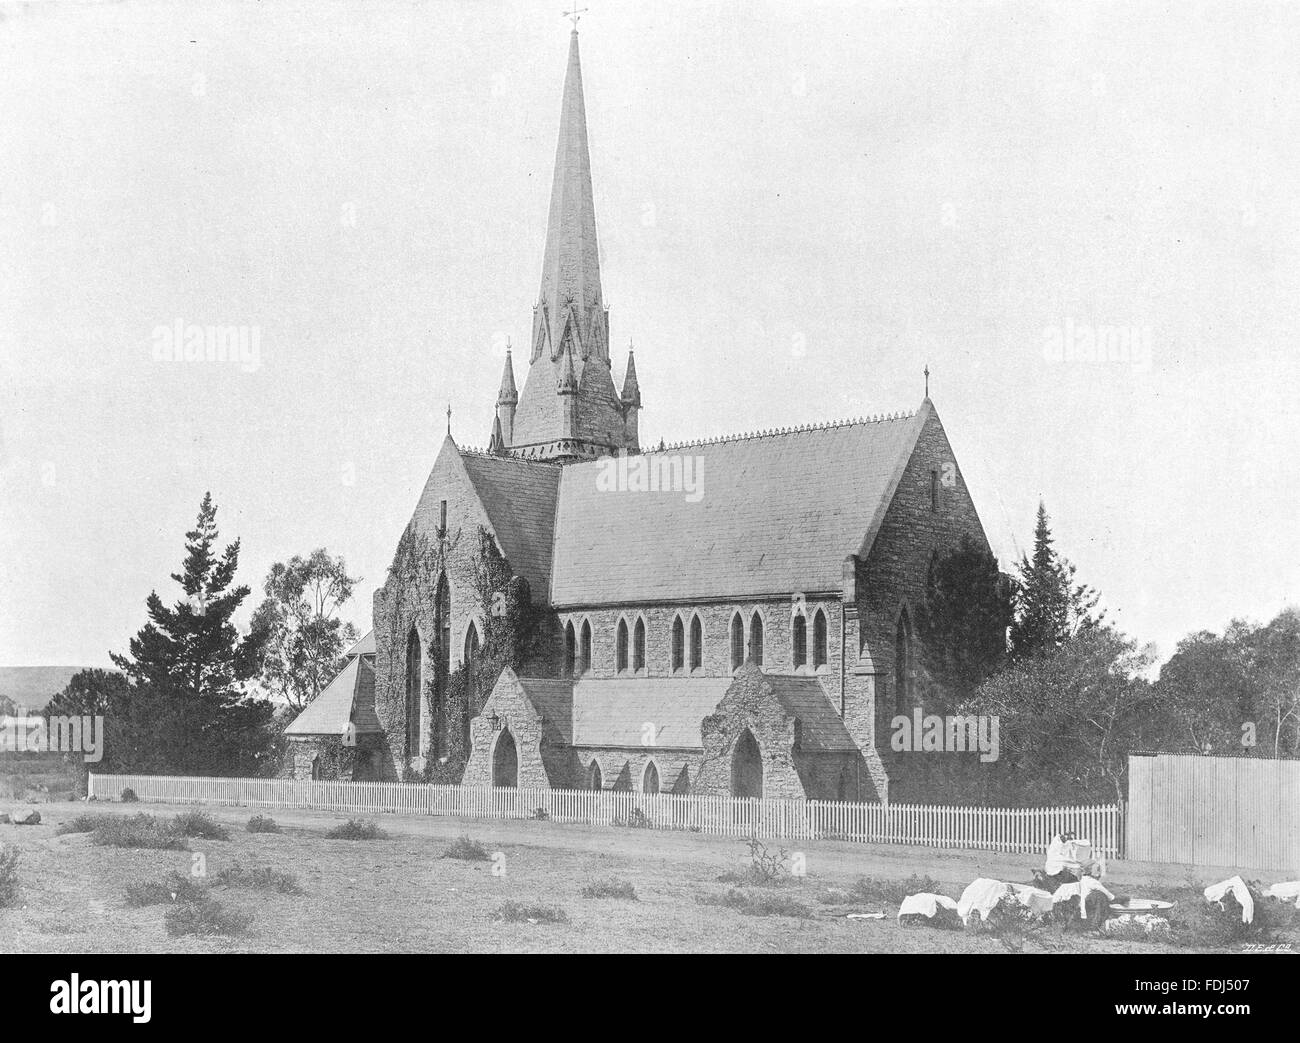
(799,205)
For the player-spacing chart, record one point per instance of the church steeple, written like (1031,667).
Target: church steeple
(569,407)
(569,304)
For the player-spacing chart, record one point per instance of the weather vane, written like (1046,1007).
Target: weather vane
(574,15)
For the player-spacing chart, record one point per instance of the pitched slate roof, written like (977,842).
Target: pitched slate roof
(778,513)
(822,729)
(349,698)
(554,701)
(615,711)
(519,497)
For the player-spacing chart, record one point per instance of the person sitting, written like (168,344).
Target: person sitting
(1067,861)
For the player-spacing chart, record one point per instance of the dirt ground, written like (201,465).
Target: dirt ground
(401,895)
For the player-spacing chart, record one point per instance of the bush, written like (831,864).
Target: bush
(206,917)
(521,912)
(8,875)
(128,796)
(198,824)
(892,892)
(1200,924)
(610,887)
(80,824)
(356,829)
(263,824)
(759,904)
(260,878)
(142,831)
(172,888)
(467,850)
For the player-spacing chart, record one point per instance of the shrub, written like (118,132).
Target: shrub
(541,814)
(263,824)
(82,823)
(467,850)
(143,831)
(611,887)
(128,796)
(9,856)
(1201,924)
(260,878)
(762,903)
(172,888)
(198,824)
(892,892)
(522,912)
(206,917)
(356,829)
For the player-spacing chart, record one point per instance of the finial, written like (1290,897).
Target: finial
(574,15)
(927,380)
(507,345)
(448,418)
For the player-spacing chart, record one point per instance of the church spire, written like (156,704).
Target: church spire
(570,306)
(631,389)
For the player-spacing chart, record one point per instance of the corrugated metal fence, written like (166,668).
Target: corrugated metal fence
(1214,811)
(1016,830)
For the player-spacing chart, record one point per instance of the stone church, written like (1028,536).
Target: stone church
(733,616)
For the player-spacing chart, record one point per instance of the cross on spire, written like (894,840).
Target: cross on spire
(574,15)
(448,418)
(927,380)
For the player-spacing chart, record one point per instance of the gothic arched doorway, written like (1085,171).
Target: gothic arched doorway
(746,767)
(505,761)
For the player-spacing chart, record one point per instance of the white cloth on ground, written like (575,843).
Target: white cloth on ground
(1288,891)
(1235,884)
(1035,899)
(925,904)
(1081,890)
(980,896)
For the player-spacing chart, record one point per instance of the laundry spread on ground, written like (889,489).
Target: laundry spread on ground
(925,904)
(980,896)
(1236,887)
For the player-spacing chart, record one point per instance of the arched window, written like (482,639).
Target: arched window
(594,780)
(650,780)
(585,651)
(441,668)
(620,648)
(737,641)
(679,640)
(800,642)
(570,650)
(470,663)
(414,682)
(819,639)
(756,639)
(697,643)
(638,645)
(903,665)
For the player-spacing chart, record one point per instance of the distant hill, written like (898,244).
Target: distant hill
(34,686)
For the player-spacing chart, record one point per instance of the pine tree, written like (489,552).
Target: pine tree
(1050,606)
(188,664)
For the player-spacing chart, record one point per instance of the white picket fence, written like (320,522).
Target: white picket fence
(1015,830)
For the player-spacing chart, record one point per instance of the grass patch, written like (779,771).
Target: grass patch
(525,912)
(260,878)
(82,823)
(759,903)
(891,892)
(610,887)
(206,917)
(263,824)
(172,888)
(356,829)
(201,825)
(467,850)
(9,857)
(140,831)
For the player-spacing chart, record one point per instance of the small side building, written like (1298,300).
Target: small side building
(338,735)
